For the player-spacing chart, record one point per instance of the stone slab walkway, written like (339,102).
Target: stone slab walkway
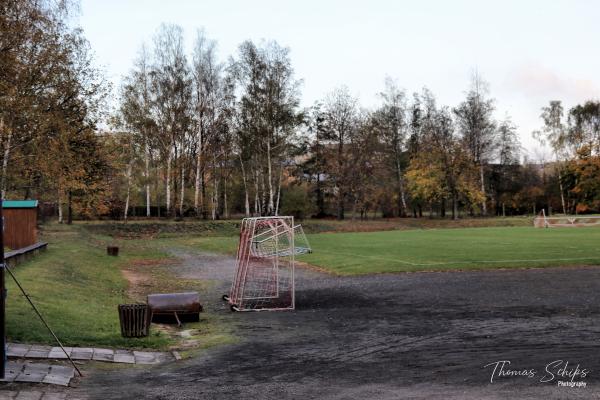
(34,395)
(17,350)
(19,371)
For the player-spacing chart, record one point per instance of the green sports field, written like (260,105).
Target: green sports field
(443,249)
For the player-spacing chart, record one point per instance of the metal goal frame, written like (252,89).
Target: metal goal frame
(265,265)
(567,221)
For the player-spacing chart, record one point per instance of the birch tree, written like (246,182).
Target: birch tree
(135,113)
(206,72)
(477,127)
(555,134)
(393,126)
(267,106)
(340,117)
(171,87)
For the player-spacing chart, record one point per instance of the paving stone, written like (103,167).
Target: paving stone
(38,373)
(7,395)
(37,354)
(145,357)
(38,351)
(61,380)
(30,367)
(17,350)
(39,347)
(29,395)
(144,354)
(124,358)
(12,370)
(62,370)
(82,353)
(30,377)
(103,355)
(59,354)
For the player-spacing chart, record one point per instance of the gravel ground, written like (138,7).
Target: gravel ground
(402,336)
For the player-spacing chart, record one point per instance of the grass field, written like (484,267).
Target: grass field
(442,249)
(448,249)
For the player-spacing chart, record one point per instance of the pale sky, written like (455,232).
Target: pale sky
(530,52)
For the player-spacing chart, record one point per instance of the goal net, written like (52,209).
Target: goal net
(542,221)
(264,277)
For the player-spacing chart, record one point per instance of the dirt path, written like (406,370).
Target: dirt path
(426,335)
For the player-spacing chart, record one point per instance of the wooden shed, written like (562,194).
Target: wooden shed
(20,223)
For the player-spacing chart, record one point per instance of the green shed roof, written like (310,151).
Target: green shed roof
(19,204)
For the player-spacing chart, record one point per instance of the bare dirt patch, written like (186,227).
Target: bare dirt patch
(142,277)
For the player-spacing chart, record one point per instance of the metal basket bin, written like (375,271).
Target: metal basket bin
(134,319)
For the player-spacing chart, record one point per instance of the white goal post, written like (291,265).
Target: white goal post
(567,221)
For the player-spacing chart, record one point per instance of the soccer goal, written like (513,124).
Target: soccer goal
(264,277)
(569,221)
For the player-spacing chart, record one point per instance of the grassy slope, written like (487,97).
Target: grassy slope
(77,288)
(441,249)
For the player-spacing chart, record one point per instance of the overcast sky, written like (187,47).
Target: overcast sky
(529,51)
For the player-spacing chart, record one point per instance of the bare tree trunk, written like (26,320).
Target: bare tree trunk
(70,208)
(215,196)
(257,208)
(263,203)
(198,181)
(182,192)
(340,207)
(225,206)
(7,146)
(401,188)
(341,173)
(203,194)
(168,182)
(484,203)
(59,204)
(157,191)
(147,177)
(279,190)
(454,206)
(246,196)
(270,206)
(320,200)
(128,177)
(562,192)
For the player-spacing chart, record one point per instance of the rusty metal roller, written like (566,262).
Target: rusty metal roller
(175,307)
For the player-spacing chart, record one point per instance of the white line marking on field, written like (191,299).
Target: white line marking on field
(459,262)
